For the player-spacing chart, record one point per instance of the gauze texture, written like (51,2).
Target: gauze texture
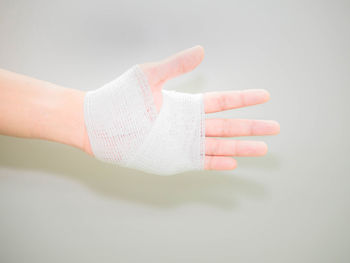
(125,128)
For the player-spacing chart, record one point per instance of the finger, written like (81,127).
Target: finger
(240,127)
(219,147)
(175,65)
(227,100)
(219,163)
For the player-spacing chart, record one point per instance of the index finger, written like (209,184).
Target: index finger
(227,100)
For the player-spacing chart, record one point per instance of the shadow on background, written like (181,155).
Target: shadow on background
(220,189)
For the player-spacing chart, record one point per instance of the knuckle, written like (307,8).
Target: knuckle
(242,101)
(236,147)
(226,127)
(209,163)
(222,102)
(252,126)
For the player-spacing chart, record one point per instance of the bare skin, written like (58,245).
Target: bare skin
(31,108)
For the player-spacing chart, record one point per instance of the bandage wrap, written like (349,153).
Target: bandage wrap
(125,128)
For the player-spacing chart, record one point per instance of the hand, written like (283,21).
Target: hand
(218,152)
(56,113)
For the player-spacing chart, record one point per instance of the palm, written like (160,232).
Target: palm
(218,152)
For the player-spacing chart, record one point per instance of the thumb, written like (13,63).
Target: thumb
(175,65)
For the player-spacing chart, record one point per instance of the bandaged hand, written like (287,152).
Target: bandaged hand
(133,122)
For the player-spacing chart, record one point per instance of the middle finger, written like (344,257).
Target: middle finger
(240,127)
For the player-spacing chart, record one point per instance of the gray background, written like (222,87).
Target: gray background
(292,205)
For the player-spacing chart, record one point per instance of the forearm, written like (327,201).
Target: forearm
(32,108)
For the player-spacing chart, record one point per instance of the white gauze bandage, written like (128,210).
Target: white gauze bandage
(125,128)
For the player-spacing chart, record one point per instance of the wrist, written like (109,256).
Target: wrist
(75,133)
(63,118)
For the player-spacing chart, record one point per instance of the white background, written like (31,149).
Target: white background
(292,205)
